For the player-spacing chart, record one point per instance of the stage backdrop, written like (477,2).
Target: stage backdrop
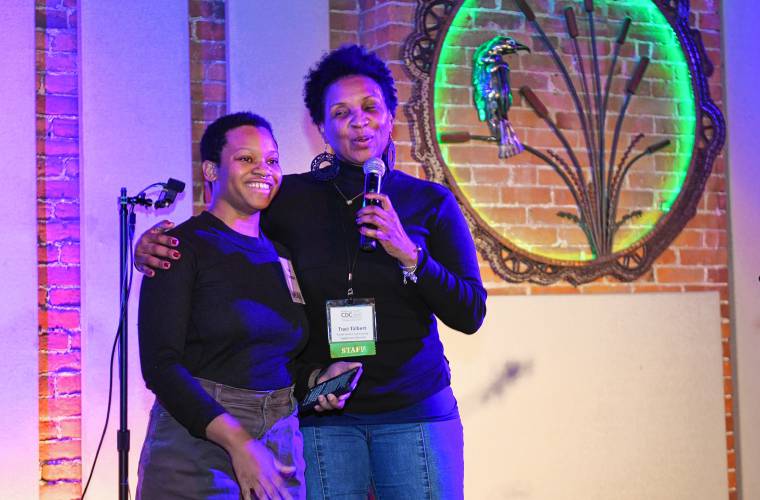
(135,109)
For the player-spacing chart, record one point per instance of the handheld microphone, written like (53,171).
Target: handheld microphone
(169,193)
(374,169)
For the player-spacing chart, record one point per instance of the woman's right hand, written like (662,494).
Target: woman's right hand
(255,468)
(258,471)
(154,249)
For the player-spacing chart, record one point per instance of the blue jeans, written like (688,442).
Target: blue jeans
(397,461)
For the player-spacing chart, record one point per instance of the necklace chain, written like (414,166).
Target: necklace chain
(348,200)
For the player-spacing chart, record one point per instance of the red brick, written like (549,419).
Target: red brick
(61,406)
(59,231)
(344,21)
(677,274)
(46,386)
(62,41)
(207,9)
(207,51)
(51,19)
(209,31)
(68,128)
(65,319)
(55,450)
(58,104)
(51,166)
(48,430)
(217,72)
(58,189)
(57,146)
(69,469)
(557,289)
(56,83)
(54,341)
(343,5)
(717,275)
(689,238)
(67,211)
(65,276)
(48,254)
(338,38)
(703,257)
(65,297)
(57,62)
(61,490)
(70,427)
(68,384)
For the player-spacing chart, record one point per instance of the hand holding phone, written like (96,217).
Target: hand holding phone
(338,386)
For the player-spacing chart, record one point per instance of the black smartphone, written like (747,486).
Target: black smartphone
(337,385)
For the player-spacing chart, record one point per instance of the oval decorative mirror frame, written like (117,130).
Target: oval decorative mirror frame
(597,162)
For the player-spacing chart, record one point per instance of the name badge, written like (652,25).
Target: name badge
(291,281)
(351,327)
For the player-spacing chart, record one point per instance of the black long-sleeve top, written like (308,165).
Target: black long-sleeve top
(311,218)
(223,312)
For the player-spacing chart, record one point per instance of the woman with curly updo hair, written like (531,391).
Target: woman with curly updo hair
(399,434)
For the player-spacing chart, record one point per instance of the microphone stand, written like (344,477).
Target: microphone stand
(126,231)
(122,435)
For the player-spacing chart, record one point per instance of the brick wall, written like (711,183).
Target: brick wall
(208,78)
(58,218)
(698,258)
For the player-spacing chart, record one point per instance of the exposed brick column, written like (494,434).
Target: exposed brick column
(208,78)
(57,111)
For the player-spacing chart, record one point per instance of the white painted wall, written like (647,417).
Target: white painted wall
(741,44)
(271,46)
(602,397)
(18,256)
(135,104)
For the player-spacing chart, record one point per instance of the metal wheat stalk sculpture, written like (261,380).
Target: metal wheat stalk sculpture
(597,199)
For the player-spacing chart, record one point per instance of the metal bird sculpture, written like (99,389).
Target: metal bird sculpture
(492,92)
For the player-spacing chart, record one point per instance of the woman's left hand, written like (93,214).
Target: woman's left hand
(390,232)
(331,401)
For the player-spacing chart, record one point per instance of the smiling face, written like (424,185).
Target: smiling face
(248,174)
(357,122)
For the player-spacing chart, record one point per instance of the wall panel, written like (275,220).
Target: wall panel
(18,256)
(135,103)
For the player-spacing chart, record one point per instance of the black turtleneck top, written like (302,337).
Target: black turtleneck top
(312,219)
(223,312)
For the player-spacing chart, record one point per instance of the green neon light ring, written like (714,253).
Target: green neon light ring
(645,15)
(692,122)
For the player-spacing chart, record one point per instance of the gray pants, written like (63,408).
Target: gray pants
(176,465)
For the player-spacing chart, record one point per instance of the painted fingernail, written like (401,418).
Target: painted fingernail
(165,265)
(175,255)
(175,241)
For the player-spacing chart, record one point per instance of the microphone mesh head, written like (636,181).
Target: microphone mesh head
(374,166)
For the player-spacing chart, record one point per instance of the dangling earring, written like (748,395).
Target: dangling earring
(323,172)
(389,157)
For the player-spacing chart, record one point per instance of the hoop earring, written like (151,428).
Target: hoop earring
(389,157)
(325,173)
